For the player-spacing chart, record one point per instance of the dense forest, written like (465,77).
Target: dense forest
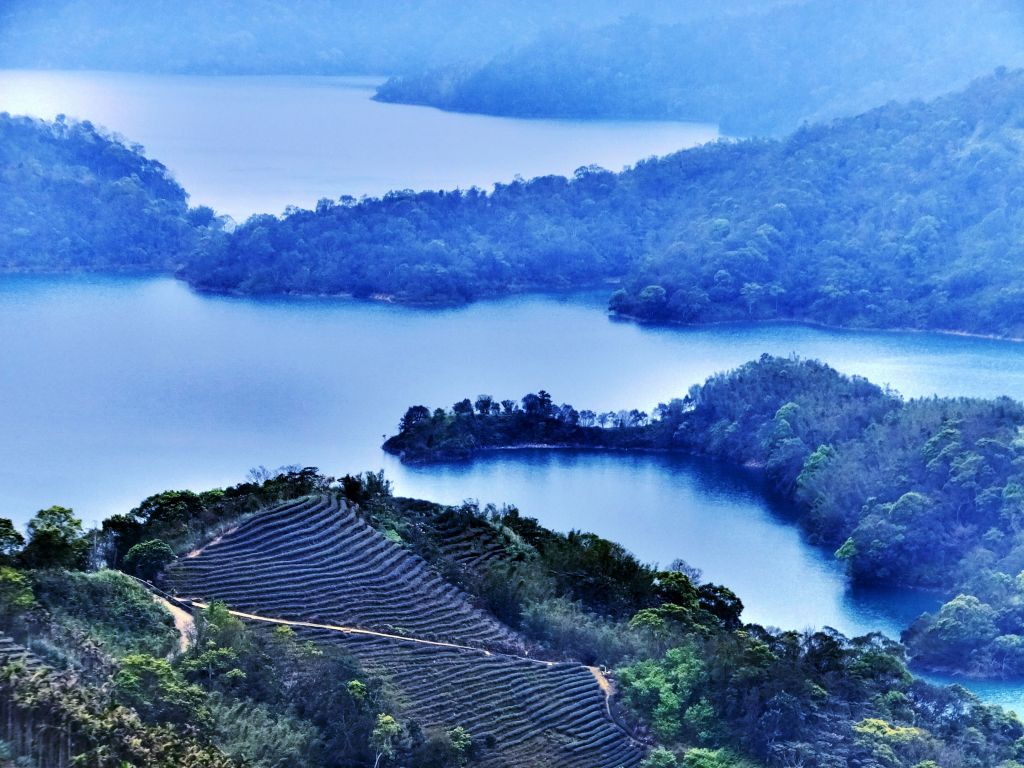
(707,690)
(73,197)
(906,216)
(757,73)
(924,493)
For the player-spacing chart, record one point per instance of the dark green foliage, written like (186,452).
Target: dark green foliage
(763,71)
(11,540)
(905,216)
(813,700)
(535,420)
(148,558)
(107,607)
(16,595)
(56,720)
(159,693)
(74,198)
(318,697)
(55,540)
(262,736)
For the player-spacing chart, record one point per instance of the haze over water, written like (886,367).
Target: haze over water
(246,145)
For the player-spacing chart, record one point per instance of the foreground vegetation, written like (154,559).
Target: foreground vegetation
(694,681)
(922,493)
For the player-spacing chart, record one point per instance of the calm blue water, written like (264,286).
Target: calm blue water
(249,145)
(112,389)
(115,388)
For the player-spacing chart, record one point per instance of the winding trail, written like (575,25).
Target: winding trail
(186,625)
(183,622)
(353,631)
(606,685)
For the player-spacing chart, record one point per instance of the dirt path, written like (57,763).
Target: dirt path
(606,685)
(350,630)
(199,550)
(183,622)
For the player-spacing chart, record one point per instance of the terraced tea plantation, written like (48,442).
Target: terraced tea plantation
(316,560)
(533,713)
(450,662)
(12,653)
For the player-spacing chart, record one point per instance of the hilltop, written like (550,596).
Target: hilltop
(74,197)
(336,624)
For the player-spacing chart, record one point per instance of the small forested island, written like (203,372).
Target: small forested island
(925,493)
(907,216)
(753,70)
(302,647)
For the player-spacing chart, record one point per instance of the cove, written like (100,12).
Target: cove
(246,145)
(116,388)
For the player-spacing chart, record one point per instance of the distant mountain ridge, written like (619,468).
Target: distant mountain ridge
(759,72)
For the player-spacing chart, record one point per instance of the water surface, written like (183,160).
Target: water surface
(116,388)
(247,145)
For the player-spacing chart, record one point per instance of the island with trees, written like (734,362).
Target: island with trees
(94,671)
(920,493)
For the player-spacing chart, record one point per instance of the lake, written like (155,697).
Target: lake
(247,145)
(116,388)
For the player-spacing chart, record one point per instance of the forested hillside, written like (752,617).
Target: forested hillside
(73,197)
(923,493)
(321,37)
(692,685)
(906,216)
(756,73)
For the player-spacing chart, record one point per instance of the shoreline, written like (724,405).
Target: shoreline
(817,324)
(381,297)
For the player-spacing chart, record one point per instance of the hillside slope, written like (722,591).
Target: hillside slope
(760,72)
(317,560)
(75,197)
(906,216)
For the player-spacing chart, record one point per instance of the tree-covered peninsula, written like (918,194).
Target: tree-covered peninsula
(73,197)
(907,216)
(923,493)
(110,680)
